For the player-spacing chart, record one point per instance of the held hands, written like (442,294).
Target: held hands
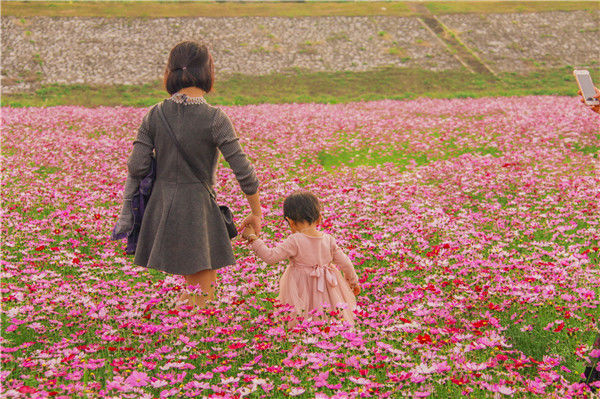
(595,108)
(249,234)
(253,221)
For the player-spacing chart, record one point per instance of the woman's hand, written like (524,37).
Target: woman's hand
(253,221)
(595,108)
(255,218)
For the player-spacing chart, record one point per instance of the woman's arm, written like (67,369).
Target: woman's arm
(228,143)
(125,221)
(255,218)
(140,159)
(138,166)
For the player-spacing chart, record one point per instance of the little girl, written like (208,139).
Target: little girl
(310,281)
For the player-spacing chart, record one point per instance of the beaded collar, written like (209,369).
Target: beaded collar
(181,98)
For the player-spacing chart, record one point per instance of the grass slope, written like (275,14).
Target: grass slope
(320,87)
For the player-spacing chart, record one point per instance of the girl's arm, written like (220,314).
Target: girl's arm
(345,264)
(285,250)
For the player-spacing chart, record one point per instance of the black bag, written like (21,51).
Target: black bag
(139,201)
(225,211)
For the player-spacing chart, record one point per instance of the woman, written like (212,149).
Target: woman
(182,231)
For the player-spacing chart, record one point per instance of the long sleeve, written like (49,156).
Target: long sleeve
(228,143)
(140,159)
(285,250)
(138,165)
(344,263)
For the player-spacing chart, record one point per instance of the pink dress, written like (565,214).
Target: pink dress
(311,281)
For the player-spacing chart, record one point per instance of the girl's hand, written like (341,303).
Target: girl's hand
(252,220)
(248,231)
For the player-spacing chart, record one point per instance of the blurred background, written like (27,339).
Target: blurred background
(114,53)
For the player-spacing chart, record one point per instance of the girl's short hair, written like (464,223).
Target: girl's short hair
(189,64)
(302,206)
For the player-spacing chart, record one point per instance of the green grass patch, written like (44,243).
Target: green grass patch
(539,340)
(318,87)
(44,170)
(372,156)
(484,7)
(155,9)
(587,149)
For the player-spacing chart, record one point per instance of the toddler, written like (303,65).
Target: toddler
(310,280)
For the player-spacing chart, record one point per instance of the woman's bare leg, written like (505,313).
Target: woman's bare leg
(206,280)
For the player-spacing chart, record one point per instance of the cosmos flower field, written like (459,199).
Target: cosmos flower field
(473,225)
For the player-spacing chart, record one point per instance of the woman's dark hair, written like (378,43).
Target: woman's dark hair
(189,64)
(302,206)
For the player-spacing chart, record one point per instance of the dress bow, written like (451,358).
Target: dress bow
(324,273)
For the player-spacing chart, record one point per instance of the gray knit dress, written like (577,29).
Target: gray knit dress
(182,231)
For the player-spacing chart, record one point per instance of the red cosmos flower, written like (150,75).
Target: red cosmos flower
(459,381)
(560,327)
(481,323)
(424,339)
(236,345)
(27,389)
(261,346)
(209,311)
(68,358)
(40,248)
(571,331)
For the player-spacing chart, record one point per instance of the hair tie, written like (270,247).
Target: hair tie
(184,68)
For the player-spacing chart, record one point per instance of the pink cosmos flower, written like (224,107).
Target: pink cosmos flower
(222,369)
(137,379)
(296,391)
